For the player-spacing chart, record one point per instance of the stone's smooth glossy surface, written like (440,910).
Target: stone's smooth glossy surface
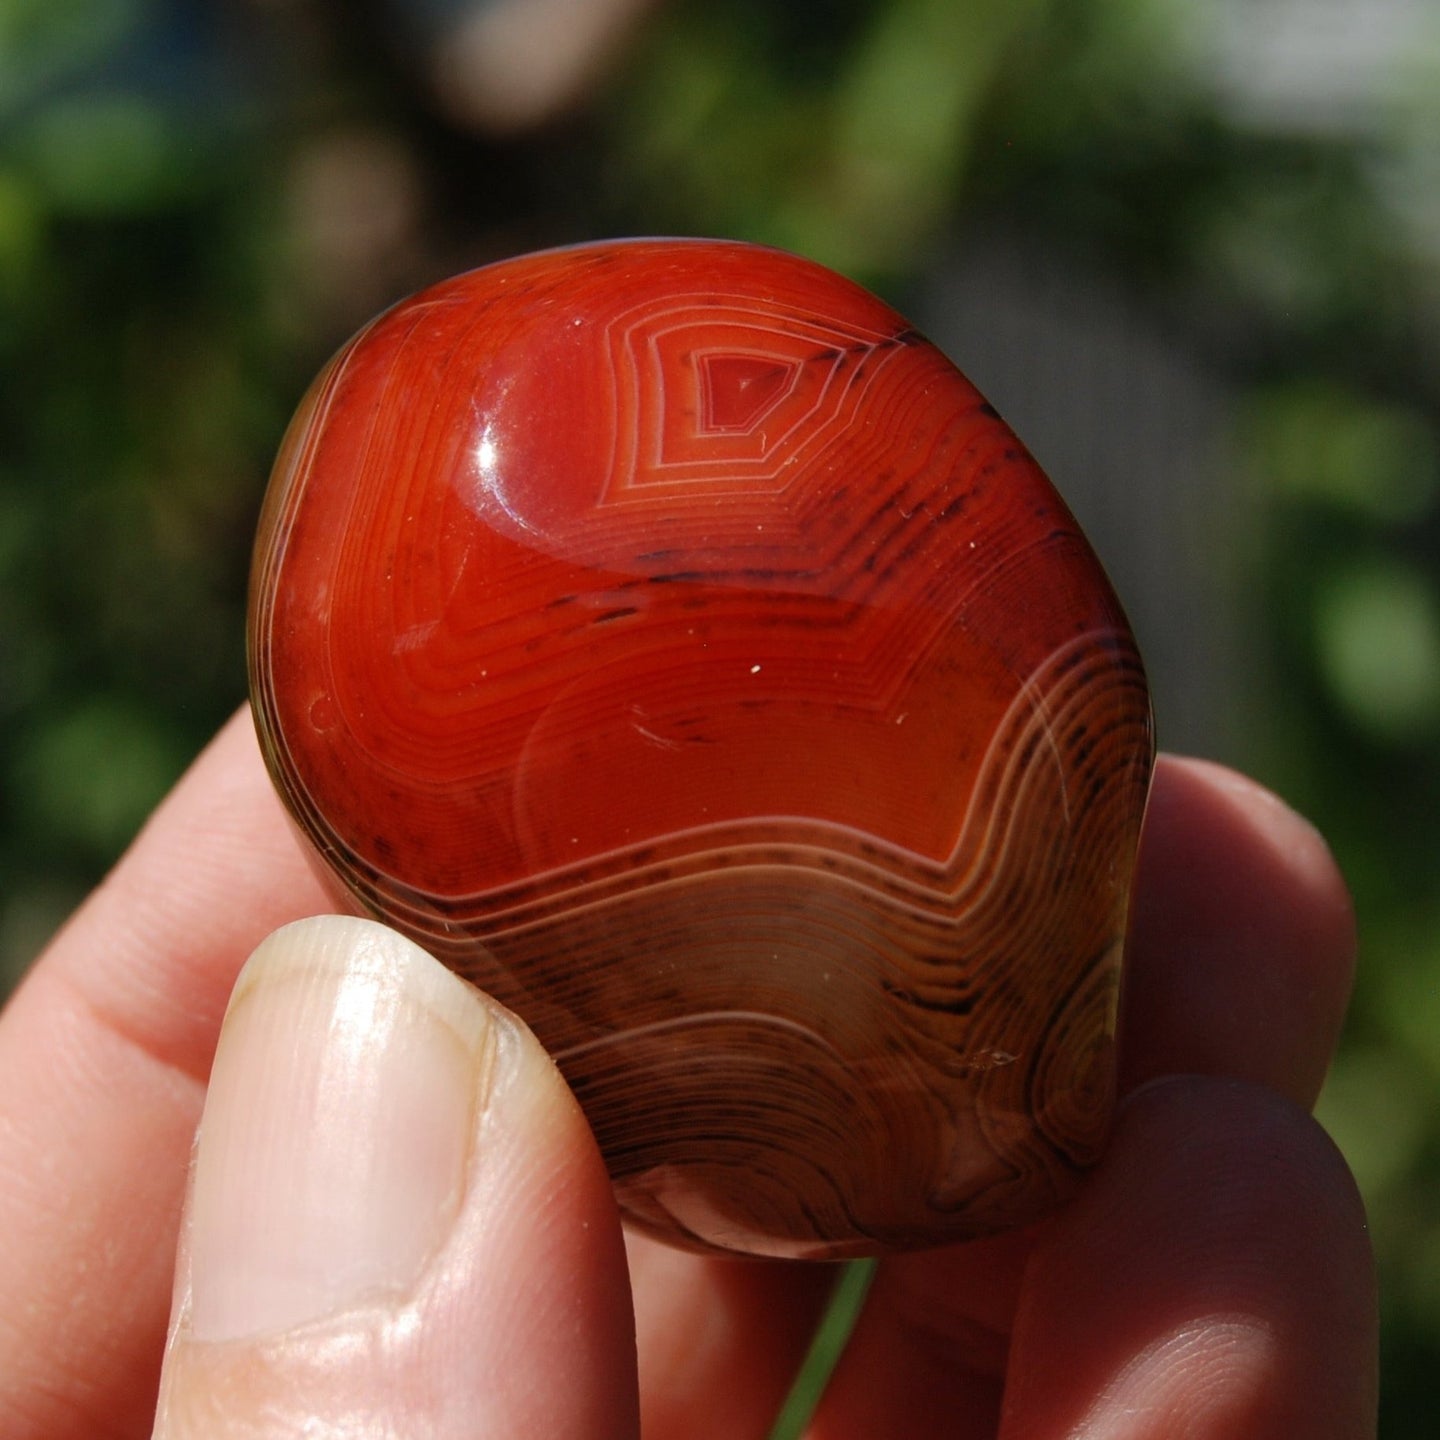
(673,641)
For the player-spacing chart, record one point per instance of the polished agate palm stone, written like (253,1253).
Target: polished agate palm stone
(671,639)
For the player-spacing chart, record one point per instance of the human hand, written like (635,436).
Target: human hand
(1211,1279)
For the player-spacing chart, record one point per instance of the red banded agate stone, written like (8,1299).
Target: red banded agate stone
(674,642)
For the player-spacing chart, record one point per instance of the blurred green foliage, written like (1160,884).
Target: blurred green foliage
(131,431)
(198,202)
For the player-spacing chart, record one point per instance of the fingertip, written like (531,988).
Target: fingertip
(1221,1263)
(1242,941)
(1236,800)
(396,1212)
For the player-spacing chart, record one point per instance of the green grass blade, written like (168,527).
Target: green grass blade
(825,1349)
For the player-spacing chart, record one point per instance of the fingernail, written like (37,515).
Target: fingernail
(336,1136)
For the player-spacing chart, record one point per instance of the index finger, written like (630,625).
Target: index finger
(1242,938)
(104,1053)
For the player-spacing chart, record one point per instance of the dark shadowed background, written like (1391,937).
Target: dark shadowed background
(1191,252)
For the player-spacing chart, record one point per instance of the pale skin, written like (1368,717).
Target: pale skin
(1212,1279)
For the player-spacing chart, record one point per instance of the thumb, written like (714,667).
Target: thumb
(398,1222)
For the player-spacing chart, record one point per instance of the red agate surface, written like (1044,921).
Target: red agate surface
(673,641)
